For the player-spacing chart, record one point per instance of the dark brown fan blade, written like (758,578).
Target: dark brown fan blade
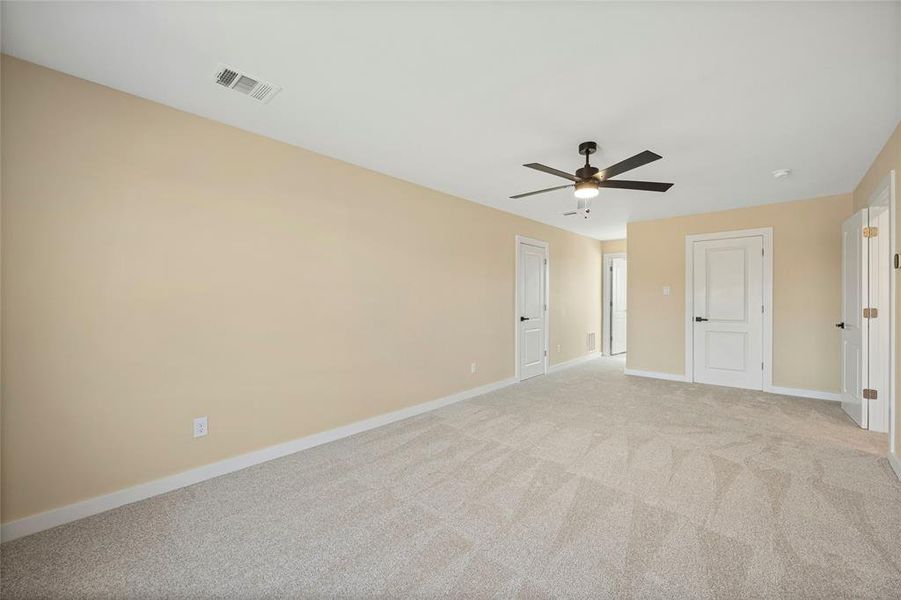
(642,158)
(559,187)
(646,186)
(552,171)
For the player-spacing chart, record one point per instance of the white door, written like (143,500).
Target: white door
(854,327)
(617,305)
(728,312)
(532,282)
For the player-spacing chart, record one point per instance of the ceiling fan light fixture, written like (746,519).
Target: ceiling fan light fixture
(586,189)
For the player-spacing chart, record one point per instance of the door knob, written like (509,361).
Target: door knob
(840,325)
(699,319)
(524,318)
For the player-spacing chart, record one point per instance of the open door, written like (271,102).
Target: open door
(618,305)
(853,325)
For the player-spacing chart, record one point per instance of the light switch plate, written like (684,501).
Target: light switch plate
(666,290)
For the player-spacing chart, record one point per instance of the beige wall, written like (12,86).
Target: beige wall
(889,159)
(611,246)
(158,266)
(806,283)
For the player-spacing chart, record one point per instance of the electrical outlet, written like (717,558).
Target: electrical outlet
(200,427)
(666,290)
(473,367)
(558,347)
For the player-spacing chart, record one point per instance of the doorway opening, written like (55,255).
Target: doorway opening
(531,308)
(728,306)
(614,303)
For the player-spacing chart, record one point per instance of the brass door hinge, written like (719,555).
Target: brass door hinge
(870,313)
(869,394)
(869,232)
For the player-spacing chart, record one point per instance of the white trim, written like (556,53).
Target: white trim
(574,361)
(656,375)
(893,315)
(784,391)
(767,234)
(895,463)
(99,504)
(802,393)
(606,278)
(521,239)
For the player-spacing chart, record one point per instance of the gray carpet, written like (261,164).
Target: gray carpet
(585,483)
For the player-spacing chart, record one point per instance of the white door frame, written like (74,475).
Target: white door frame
(607,297)
(884,195)
(767,234)
(521,239)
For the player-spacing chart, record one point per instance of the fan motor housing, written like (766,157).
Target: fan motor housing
(587,172)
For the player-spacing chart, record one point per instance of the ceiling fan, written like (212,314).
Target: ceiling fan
(588,180)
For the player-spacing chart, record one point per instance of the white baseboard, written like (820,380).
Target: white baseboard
(656,375)
(802,393)
(896,464)
(99,504)
(785,391)
(573,362)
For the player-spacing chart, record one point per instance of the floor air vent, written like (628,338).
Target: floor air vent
(234,79)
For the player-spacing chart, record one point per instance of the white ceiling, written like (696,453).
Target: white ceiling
(457,96)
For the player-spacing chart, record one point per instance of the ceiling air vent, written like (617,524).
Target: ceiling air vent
(234,79)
